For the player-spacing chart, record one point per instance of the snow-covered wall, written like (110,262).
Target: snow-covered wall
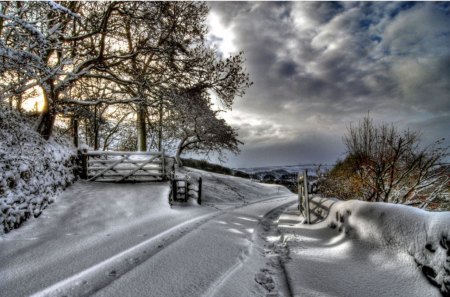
(423,235)
(32,171)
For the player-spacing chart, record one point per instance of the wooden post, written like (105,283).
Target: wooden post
(84,164)
(300,192)
(186,190)
(174,189)
(305,180)
(199,199)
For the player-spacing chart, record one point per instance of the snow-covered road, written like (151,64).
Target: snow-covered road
(124,240)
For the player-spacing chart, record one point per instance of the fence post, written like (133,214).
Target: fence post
(84,164)
(199,199)
(300,191)
(305,180)
(186,190)
(174,189)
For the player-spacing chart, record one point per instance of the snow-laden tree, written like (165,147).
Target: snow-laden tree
(176,56)
(136,54)
(197,127)
(52,46)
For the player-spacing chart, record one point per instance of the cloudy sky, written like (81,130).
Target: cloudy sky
(318,66)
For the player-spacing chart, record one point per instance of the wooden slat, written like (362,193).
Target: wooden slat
(129,161)
(108,153)
(128,168)
(147,179)
(108,168)
(140,175)
(138,168)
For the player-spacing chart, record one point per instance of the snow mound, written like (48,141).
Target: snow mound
(423,235)
(32,171)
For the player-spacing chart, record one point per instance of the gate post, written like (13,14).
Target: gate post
(305,180)
(199,199)
(174,189)
(84,163)
(300,191)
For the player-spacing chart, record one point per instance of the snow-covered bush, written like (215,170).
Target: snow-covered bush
(32,171)
(423,235)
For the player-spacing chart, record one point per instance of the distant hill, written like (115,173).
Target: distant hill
(285,175)
(279,171)
(282,175)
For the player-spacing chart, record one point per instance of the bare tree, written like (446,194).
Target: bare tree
(392,166)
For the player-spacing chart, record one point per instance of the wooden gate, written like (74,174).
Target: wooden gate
(123,166)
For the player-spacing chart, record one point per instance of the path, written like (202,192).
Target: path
(124,240)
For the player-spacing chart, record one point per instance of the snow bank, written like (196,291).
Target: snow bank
(32,171)
(423,235)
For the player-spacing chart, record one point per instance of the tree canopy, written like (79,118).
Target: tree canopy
(89,56)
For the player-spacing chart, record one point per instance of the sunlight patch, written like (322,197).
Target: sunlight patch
(273,238)
(236,231)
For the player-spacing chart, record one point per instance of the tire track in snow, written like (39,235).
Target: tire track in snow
(96,277)
(259,231)
(100,275)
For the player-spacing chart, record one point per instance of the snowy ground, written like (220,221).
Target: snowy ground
(102,239)
(325,262)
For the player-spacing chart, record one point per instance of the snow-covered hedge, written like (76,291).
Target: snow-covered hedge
(32,171)
(423,235)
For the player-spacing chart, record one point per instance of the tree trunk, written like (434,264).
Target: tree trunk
(75,131)
(19,103)
(96,127)
(160,125)
(178,157)
(141,129)
(87,137)
(47,118)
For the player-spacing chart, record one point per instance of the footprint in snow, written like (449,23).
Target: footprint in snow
(265,280)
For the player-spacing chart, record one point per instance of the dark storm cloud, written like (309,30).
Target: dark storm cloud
(317,66)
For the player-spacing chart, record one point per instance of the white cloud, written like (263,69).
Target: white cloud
(220,35)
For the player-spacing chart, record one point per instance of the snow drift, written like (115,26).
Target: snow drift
(423,235)
(32,171)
